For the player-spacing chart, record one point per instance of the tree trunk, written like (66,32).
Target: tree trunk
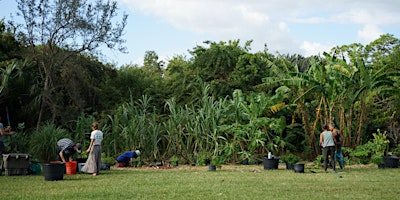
(360,122)
(342,123)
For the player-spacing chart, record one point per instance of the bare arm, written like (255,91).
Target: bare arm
(321,139)
(6,131)
(61,156)
(90,146)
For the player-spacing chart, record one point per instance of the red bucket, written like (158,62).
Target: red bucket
(70,167)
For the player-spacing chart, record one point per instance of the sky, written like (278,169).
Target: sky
(306,27)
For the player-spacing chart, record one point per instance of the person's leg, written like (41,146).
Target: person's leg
(98,158)
(325,158)
(340,158)
(2,151)
(332,155)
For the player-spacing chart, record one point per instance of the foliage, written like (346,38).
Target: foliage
(396,151)
(54,32)
(108,160)
(216,161)
(46,151)
(377,159)
(319,160)
(212,103)
(377,146)
(290,158)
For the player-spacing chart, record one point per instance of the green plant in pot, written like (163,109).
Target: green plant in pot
(377,159)
(203,159)
(215,162)
(245,157)
(173,160)
(108,161)
(290,159)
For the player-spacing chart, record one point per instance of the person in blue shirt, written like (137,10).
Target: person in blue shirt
(124,159)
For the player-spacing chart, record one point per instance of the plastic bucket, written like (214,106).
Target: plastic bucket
(272,163)
(70,167)
(53,171)
(298,168)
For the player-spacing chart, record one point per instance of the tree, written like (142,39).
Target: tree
(55,30)
(215,63)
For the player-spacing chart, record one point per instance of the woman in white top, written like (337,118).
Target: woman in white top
(327,141)
(93,162)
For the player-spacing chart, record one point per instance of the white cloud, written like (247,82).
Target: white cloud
(313,48)
(369,33)
(276,23)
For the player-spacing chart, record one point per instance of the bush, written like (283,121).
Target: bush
(377,159)
(43,143)
(290,158)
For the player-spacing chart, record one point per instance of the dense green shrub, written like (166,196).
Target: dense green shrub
(43,144)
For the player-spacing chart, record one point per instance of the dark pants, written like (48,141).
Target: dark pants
(2,150)
(123,164)
(66,155)
(339,156)
(329,151)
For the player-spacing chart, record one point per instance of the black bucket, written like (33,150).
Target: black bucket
(298,168)
(271,163)
(53,171)
(391,161)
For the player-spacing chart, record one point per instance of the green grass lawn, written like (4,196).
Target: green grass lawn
(229,182)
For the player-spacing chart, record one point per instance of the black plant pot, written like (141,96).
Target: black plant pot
(81,160)
(53,171)
(391,161)
(212,167)
(245,162)
(271,163)
(298,168)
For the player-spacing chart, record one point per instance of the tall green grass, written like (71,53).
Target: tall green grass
(238,182)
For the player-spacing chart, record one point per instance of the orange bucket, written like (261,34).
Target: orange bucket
(70,167)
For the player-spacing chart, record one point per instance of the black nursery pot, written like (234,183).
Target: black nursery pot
(53,171)
(212,168)
(298,168)
(271,163)
(391,161)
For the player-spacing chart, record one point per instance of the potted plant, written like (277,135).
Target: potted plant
(378,160)
(107,162)
(245,156)
(173,161)
(290,159)
(298,167)
(215,162)
(202,159)
(271,162)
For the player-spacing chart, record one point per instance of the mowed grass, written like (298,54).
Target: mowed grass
(229,182)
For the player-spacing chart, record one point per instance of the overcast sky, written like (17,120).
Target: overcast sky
(307,27)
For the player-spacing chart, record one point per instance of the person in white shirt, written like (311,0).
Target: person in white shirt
(327,141)
(93,162)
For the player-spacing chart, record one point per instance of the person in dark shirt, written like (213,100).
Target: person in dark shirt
(338,145)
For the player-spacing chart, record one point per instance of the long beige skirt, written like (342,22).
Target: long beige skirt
(93,162)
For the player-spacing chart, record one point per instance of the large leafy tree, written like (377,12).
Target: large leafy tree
(215,63)
(56,30)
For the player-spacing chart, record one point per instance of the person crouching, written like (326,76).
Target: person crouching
(124,159)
